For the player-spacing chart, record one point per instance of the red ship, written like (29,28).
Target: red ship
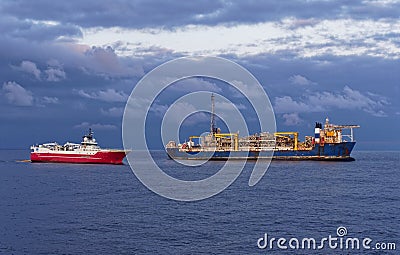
(87,151)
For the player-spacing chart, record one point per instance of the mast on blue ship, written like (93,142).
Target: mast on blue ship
(213,129)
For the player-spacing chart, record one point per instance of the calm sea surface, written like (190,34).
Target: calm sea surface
(105,209)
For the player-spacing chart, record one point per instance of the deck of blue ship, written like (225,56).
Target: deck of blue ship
(332,152)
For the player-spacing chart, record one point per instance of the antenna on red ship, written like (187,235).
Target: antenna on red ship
(90,136)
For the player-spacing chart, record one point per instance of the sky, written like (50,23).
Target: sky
(66,66)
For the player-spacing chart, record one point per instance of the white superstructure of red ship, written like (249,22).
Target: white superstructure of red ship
(88,151)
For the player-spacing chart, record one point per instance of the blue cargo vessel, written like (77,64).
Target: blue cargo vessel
(335,152)
(328,143)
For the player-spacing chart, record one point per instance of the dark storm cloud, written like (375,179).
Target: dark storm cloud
(369,84)
(93,13)
(13,27)
(374,10)
(324,101)
(34,58)
(171,13)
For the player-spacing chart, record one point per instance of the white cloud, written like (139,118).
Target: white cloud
(86,125)
(300,80)
(31,68)
(196,118)
(50,100)
(248,90)
(109,95)
(228,106)
(104,61)
(324,101)
(113,111)
(159,109)
(178,111)
(55,74)
(286,104)
(54,63)
(17,95)
(292,119)
(305,38)
(294,23)
(193,84)
(54,71)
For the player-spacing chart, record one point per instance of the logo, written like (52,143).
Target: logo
(330,242)
(341,231)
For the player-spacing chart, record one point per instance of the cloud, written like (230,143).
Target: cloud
(347,99)
(139,14)
(286,104)
(30,67)
(50,100)
(229,106)
(98,126)
(180,111)
(292,119)
(196,118)
(109,95)
(91,61)
(294,23)
(17,95)
(55,74)
(35,30)
(304,28)
(171,14)
(104,61)
(300,80)
(159,110)
(195,84)
(341,37)
(248,90)
(113,111)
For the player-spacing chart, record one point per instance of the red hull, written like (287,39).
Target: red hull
(101,157)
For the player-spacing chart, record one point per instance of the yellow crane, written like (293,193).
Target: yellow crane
(193,136)
(235,138)
(295,136)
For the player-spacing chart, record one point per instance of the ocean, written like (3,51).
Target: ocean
(104,209)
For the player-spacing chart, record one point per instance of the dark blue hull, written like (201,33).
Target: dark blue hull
(330,151)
